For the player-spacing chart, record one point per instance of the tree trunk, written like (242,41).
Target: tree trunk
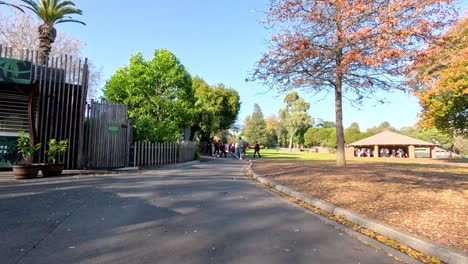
(47,35)
(340,151)
(290,143)
(193,130)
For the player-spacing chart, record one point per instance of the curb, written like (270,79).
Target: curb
(442,252)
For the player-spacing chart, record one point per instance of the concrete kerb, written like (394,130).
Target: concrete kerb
(444,253)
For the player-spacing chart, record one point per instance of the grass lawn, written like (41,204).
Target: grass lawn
(426,197)
(272,154)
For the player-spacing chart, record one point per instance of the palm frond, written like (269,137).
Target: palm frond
(70,20)
(53,11)
(11,5)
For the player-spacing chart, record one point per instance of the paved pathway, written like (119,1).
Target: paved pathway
(205,213)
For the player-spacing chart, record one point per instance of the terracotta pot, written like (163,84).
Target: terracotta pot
(52,169)
(25,171)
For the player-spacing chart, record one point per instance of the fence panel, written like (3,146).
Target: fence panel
(110,132)
(155,154)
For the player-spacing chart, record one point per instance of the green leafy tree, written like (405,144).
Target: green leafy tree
(384,126)
(430,135)
(216,108)
(51,12)
(294,116)
(435,136)
(353,133)
(299,138)
(158,93)
(275,130)
(320,136)
(255,127)
(408,131)
(325,124)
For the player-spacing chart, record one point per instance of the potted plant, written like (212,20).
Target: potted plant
(27,149)
(54,168)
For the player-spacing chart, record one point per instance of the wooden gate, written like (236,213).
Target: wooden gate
(109,136)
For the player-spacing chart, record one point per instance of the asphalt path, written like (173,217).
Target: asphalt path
(204,213)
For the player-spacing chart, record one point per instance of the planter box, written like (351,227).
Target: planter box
(25,171)
(49,170)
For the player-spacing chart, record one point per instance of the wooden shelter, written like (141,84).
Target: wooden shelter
(393,145)
(45,100)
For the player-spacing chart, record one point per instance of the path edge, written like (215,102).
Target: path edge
(431,248)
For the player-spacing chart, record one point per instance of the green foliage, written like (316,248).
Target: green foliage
(216,108)
(53,11)
(294,116)
(384,126)
(353,133)
(319,136)
(275,131)
(429,135)
(255,127)
(158,93)
(325,124)
(26,148)
(56,149)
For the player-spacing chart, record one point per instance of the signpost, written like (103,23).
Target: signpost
(113,128)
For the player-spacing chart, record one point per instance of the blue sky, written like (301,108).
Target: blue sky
(217,40)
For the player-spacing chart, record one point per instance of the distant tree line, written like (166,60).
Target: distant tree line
(296,129)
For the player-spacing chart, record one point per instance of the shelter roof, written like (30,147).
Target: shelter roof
(390,138)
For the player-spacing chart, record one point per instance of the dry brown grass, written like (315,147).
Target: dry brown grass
(428,200)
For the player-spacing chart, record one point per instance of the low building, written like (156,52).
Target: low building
(393,145)
(45,101)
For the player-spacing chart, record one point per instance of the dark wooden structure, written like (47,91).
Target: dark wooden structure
(56,99)
(108,136)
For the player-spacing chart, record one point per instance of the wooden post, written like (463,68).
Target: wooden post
(411,153)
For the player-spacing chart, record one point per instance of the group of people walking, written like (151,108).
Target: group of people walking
(235,149)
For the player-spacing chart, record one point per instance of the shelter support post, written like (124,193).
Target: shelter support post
(411,152)
(433,152)
(350,151)
(376,151)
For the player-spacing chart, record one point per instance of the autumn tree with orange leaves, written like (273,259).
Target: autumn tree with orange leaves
(440,79)
(349,47)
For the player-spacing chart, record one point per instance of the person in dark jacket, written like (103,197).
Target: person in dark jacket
(257,149)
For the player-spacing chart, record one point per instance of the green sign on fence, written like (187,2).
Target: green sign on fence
(15,71)
(113,128)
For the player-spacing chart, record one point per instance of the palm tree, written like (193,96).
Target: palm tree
(12,5)
(51,12)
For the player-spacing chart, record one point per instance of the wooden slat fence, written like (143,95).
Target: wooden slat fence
(109,135)
(187,151)
(147,153)
(62,85)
